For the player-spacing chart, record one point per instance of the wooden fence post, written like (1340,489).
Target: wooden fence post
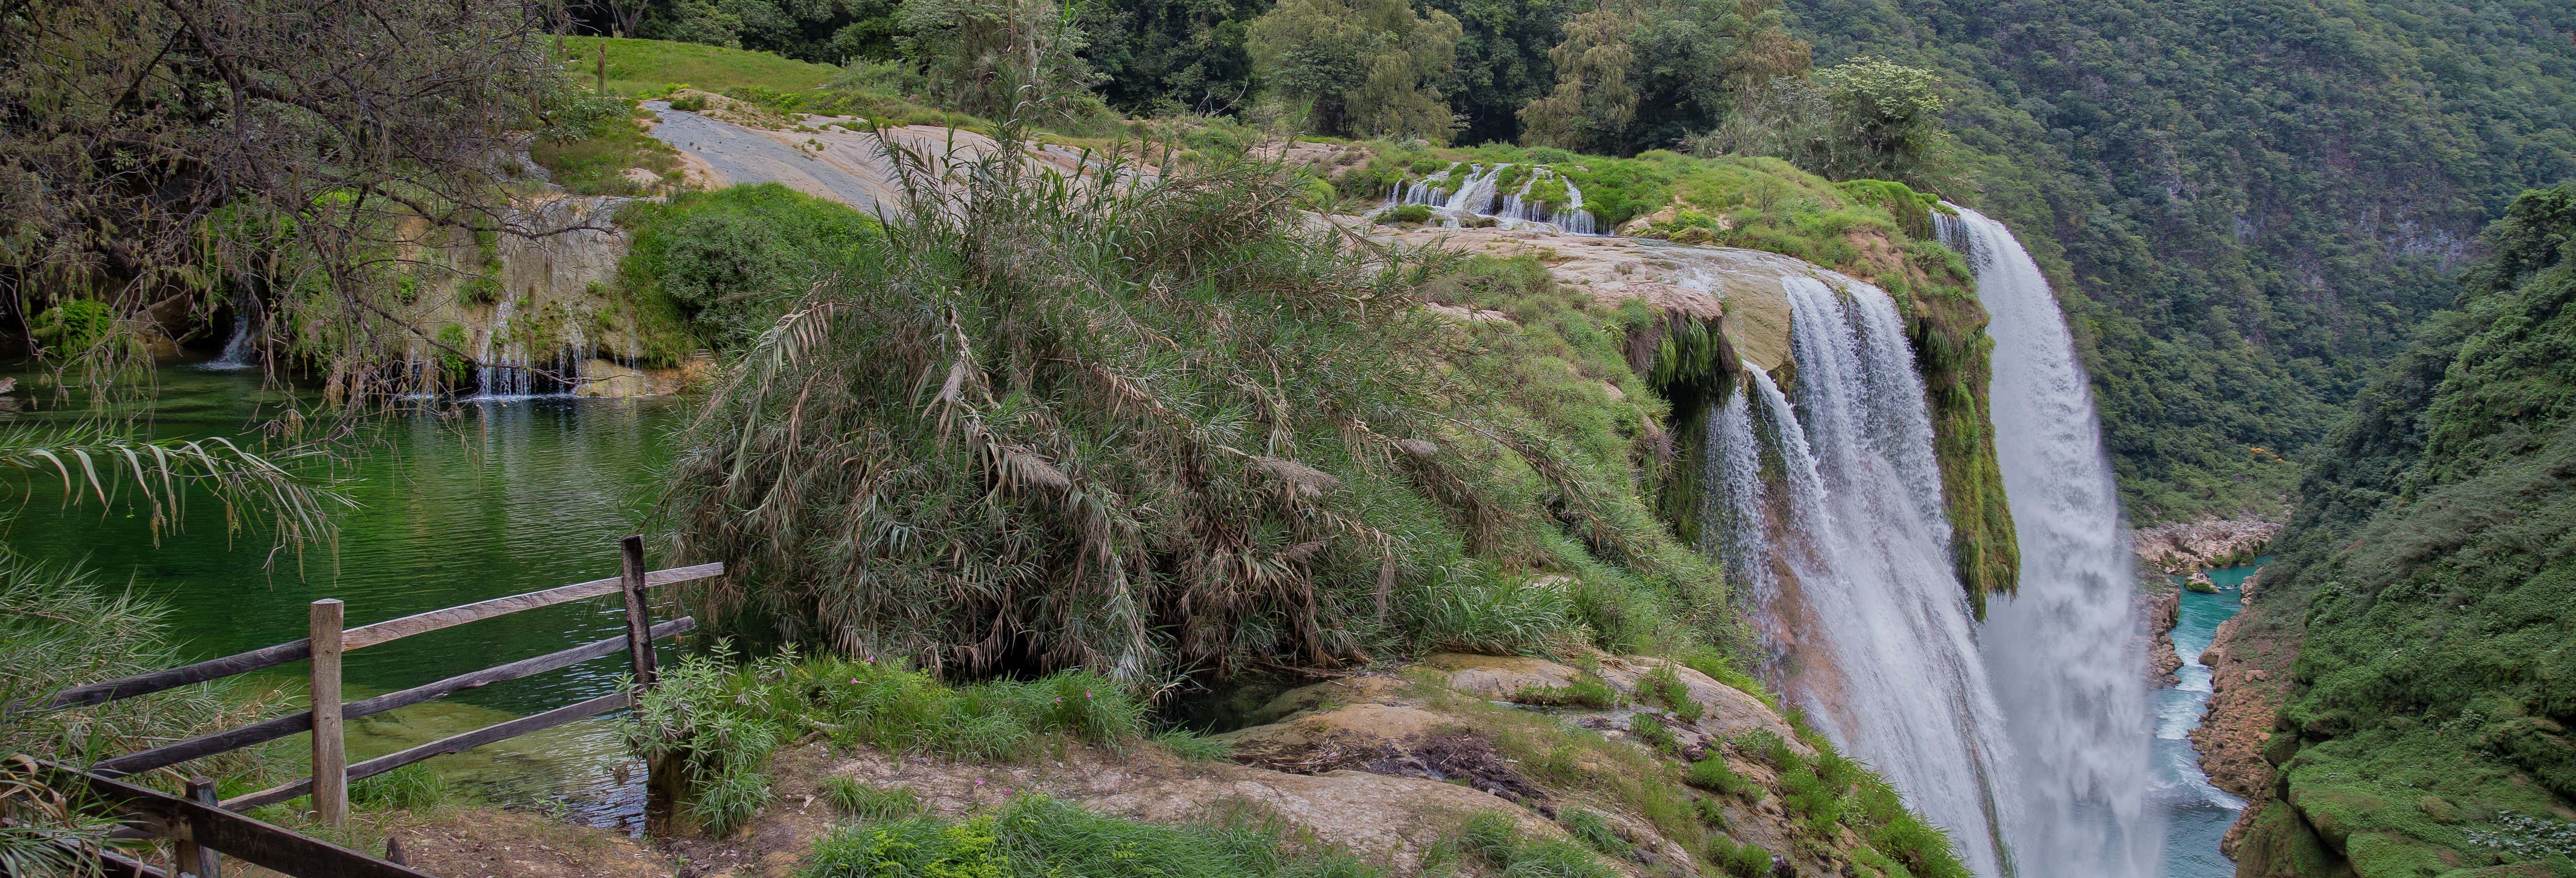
(330,754)
(196,859)
(639,621)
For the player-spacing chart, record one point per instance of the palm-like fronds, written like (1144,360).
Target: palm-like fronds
(1146,421)
(93,463)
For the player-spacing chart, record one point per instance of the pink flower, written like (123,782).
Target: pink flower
(979,781)
(854,680)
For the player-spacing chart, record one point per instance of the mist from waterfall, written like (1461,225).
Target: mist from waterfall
(2065,653)
(1831,516)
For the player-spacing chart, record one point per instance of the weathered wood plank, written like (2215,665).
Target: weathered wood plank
(239,837)
(330,745)
(453,744)
(145,684)
(196,860)
(365,635)
(273,729)
(395,629)
(638,617)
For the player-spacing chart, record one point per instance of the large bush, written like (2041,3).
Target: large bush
(1166,429)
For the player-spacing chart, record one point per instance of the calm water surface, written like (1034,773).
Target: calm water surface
(499,498)
(2196,814)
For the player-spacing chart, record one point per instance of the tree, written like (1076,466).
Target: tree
(1890,116)
(1868,119)
(1368,67)
(162,158)
(988,57)
(1592,102)
(1635,75)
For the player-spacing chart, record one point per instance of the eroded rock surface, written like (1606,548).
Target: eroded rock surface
(2250,662)
(2184,547)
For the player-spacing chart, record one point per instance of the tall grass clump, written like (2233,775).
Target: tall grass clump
(1151,423)
(1497,839)
(1039,837)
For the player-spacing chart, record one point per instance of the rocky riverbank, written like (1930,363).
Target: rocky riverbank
(2179,548)
(2250,660)
(2158,604)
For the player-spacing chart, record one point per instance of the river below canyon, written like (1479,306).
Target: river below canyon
(2196,813)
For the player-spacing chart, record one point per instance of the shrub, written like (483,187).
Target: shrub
(1410,213)
(727,262)
(992,441)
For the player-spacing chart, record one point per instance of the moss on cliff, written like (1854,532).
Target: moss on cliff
(1954,354)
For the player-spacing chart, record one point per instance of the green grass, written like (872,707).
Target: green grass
(652,68)
(1497,839)
(414,787)
(1582,691)
(853,799)
(1196,747)
(1594,831)
(1033,836)
(1713,774)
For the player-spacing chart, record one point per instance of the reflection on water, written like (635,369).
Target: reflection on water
(2196,814)
(502,498)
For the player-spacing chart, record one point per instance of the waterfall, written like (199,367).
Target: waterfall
(239,349)
(1480,195)
(2064,652)
(1844,550)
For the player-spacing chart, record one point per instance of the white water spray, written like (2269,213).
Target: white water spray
(1867,609)
(2064,652)
(1480,194)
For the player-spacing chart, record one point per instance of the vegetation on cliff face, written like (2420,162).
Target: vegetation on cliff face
(2429,729)
(2236,257)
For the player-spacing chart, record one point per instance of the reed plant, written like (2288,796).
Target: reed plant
(1151,422)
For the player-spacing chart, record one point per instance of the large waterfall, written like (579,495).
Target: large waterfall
(2068,666)
(1832,507)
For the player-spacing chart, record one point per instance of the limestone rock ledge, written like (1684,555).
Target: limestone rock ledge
(2179,548)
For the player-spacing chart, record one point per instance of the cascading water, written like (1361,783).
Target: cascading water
(1845,552)
(2064,652)
(237,350)
(1479,194)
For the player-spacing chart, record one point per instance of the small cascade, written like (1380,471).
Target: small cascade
(1832,521)
(1479,197)
(505,370)
(240,350)
(2065,651)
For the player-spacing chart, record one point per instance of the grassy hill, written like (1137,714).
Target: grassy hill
(648,68)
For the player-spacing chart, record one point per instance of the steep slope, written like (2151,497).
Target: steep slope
(2433,567)
(2252,199)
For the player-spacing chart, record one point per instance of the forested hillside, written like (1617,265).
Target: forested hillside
(2431,563)
(2258,198)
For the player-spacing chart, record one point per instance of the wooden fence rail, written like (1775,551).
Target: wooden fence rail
(203,826)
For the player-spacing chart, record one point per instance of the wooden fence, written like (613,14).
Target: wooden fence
(203,826)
